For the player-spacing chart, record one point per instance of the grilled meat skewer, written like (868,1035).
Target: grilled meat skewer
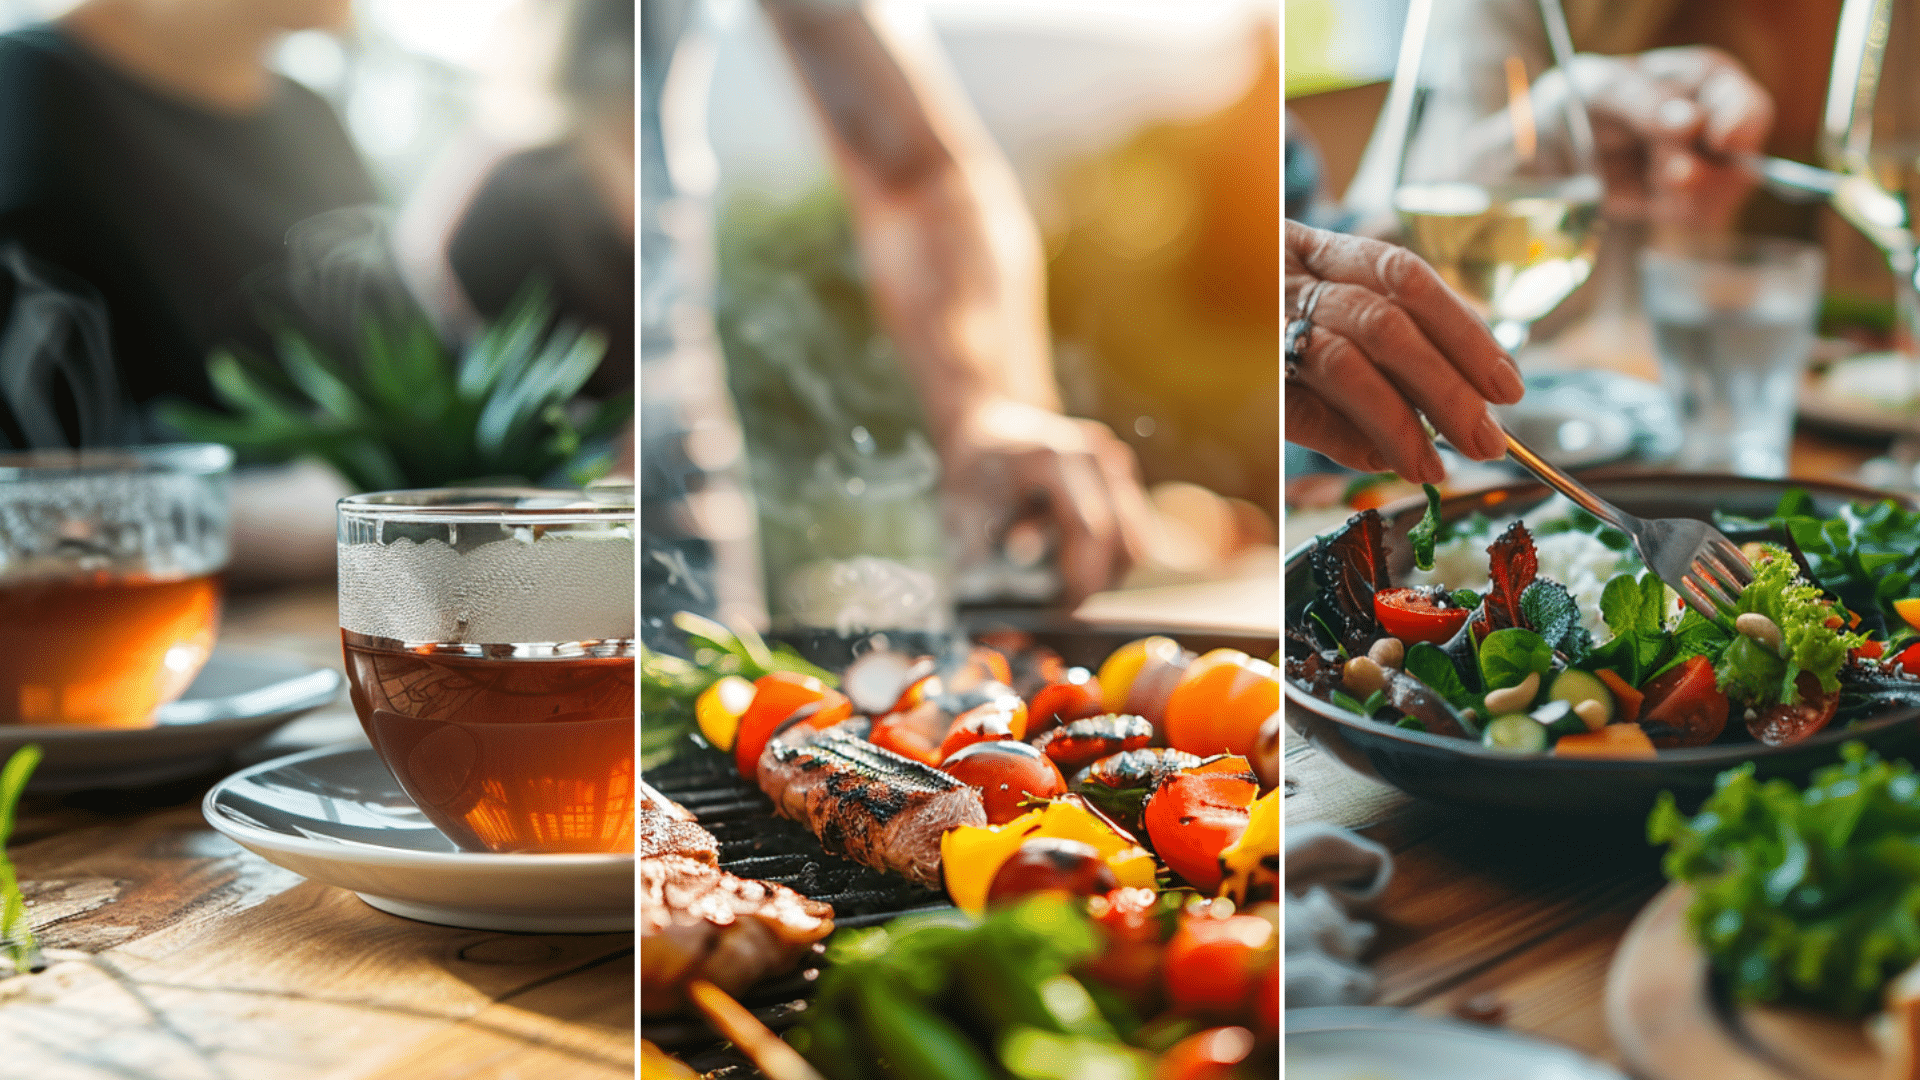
(667,828)
(699,922)
(869,804)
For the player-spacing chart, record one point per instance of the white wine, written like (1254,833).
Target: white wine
(1515,250)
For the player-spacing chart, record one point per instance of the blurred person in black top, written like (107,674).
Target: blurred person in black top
(562,214)
(150,159)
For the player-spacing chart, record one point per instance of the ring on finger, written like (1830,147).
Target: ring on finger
(1301,328)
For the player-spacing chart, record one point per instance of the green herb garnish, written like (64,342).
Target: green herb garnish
(1426,531)
(670,685)
(16,932)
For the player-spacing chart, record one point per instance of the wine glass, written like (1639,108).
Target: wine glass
(1497,185)
(1870,132)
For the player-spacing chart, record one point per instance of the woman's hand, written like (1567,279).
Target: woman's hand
(1664,123)
(1389,342)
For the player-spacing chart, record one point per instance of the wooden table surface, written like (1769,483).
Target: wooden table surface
(176,955)
(1518,914)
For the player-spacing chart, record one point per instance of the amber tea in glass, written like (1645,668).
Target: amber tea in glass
(489,639)
(109,564)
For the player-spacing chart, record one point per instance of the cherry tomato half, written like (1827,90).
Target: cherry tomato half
(1779,725)
(1416,615)
(1683,707)
(1007,774)
(1196,815)
(1909,658)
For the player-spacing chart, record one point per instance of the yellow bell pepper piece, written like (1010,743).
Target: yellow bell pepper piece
(719,709)
(971,855)
(1250,866)
(1909,609)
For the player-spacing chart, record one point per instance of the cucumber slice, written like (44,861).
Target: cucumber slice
(1515,733)
(1574,686)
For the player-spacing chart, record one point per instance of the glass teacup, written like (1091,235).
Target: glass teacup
(489,639)
(109,577)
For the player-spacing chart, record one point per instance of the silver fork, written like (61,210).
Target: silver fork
(1695,559)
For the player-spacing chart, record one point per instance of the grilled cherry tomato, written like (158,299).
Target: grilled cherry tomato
(1212,964)
(1779,725)
(1075,696)
(1119,784)
(1683,707)
(982,665)
(1005,718)
(1086,741)
(1130,921)
(914,733)
(1220,704)
(1007,774)
(1197,814)
(1139,676)
(1418,615)
(777,696)
(1048,863)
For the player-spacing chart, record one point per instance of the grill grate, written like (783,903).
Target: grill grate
(755,843)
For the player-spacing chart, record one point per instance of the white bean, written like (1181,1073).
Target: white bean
(1761,629)
(1514,699)
(1388,652)
(1363,676)
(1591,713)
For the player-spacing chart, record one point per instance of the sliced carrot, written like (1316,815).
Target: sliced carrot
(1612,741)
(1626,700)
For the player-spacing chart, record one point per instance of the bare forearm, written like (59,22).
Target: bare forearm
(953,259)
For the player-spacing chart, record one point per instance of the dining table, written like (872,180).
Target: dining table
(174,954)
(1497,917)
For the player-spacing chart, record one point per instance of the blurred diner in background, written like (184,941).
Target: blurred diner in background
(298,227)
(1698,306)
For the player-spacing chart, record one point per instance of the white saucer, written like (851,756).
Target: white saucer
(1392,1044)
(237,698)
(336,815)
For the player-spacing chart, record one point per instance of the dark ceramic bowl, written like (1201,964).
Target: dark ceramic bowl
(1464,773)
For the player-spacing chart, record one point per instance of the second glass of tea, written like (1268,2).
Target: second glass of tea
(110,565)
(489,639)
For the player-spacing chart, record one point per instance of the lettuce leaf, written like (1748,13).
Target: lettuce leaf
(1801,612)
(1803,896)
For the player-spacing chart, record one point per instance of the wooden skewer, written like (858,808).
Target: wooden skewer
(766,1050)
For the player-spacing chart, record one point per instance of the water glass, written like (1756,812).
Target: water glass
(1733,324)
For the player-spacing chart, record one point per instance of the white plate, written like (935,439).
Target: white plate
(237,698)
(1861,395)
(336,815)
(1392,1044)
